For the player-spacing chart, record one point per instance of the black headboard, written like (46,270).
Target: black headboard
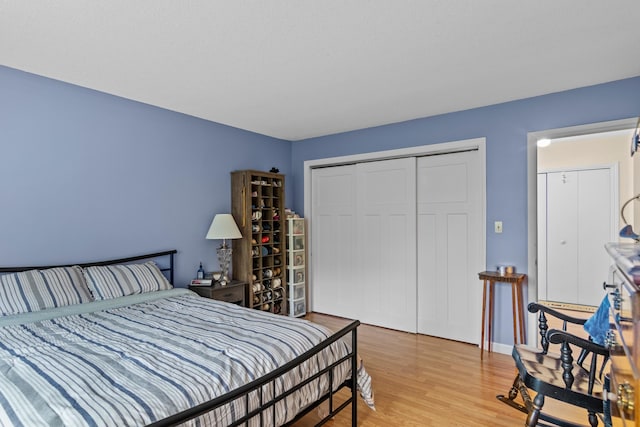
(166,270)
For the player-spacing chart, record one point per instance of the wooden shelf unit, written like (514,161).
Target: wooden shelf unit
(259,258)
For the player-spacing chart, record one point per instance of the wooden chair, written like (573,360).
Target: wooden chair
(558,375)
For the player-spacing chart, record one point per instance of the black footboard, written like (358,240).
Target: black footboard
(266,410)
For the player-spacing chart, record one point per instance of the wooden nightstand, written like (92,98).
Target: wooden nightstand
(233,292)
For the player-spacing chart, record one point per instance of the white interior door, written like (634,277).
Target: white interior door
(387,243)
(578,218)
(562,236)
(334,243)
(449,206)
(597,196)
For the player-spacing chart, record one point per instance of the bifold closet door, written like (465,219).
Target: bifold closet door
(363,242)
(579,221)
(449,237)
(387,243)
(334,247)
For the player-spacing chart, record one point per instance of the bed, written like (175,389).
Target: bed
(113,343)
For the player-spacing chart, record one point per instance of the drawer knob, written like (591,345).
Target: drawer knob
(625,398)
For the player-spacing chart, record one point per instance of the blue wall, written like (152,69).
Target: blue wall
(87,176)
(505,128)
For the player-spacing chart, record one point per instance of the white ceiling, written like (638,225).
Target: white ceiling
(295,69)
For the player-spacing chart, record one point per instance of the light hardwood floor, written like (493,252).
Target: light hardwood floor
(420,380)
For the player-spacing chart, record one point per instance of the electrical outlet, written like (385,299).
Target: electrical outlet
(497,226)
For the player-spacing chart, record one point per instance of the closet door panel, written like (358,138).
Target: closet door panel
(595,230)
(457,278)
(430,310)
(442,246)
(562,237)
(371,267)
(333,242)
(449,234)
(386,236)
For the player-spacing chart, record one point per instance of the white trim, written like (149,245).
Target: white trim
(423,150)
(532,214)
(501,348)
(611,166)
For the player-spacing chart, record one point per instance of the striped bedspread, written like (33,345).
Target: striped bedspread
(134,364)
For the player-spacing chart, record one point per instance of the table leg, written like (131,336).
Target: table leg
(514,304)
(484,319)
(521,311)
(491,302)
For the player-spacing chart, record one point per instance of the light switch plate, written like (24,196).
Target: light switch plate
(497,226)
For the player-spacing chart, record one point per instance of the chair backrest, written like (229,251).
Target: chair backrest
(599,354)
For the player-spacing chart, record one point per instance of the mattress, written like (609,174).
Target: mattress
(137,359)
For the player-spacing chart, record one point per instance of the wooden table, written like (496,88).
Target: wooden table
(516,280)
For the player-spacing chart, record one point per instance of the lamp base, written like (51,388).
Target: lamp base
(224,259)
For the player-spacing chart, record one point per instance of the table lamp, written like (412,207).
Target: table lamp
(224,227)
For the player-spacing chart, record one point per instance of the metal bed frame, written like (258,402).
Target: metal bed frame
(267,409)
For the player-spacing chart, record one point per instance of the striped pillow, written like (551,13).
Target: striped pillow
(113,281)
(36,290)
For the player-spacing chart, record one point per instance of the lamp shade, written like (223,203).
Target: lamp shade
(223,226)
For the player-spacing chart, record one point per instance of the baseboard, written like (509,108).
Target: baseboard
(501,348)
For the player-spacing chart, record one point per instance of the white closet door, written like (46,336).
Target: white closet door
(595,228)
(449,254)
(333,242)
(580,220)
(386,239)
(372,257)
(562,236)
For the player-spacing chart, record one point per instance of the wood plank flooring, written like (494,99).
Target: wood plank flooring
(420,380)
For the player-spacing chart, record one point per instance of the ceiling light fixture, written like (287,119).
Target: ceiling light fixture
(543,142)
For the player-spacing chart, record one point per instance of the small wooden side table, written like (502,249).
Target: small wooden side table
(516,280)
(233,292)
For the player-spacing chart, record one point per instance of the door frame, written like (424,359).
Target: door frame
(532,192)
(423,150)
